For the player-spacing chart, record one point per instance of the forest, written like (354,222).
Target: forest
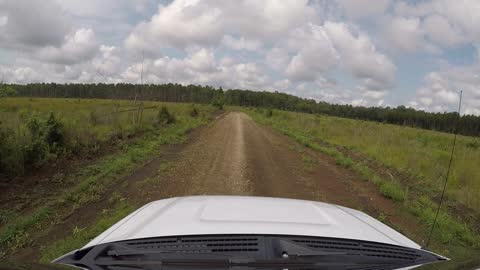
(468,125)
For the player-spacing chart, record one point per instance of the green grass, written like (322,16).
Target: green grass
(89,184)
(308,161)
(344,161)
(393,191)
(84,126)
(420,154)
(81,236)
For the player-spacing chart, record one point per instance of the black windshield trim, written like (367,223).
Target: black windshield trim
(250,250)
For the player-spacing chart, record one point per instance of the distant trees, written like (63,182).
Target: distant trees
(401,115)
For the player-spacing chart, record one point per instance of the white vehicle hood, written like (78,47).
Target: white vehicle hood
(207,215)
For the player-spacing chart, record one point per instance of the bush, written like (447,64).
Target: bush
(269,113)
(194,112)
(93,118)
(218,102)
(54,131)
(46,139)
(36,153)
(165,117)
(10,155)
(473,145)
(7,91)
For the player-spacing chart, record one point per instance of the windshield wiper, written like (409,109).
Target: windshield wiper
(251,251)
(288,249)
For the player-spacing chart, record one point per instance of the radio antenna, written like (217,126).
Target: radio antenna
(143,60)
(141,78)
(448,170)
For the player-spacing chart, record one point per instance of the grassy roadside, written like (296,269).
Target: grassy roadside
(37,132)
(81,236)
(453,237)
(92,185)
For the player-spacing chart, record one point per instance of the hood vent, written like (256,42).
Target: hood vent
(198,244)
(360,248)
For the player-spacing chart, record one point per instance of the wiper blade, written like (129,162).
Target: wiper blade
(247,251)
(225,264)
(288,250)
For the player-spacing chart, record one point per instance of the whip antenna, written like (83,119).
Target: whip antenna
(448,170)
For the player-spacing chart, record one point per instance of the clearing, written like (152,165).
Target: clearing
(232,155)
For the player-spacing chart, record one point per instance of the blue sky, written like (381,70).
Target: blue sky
(360,52)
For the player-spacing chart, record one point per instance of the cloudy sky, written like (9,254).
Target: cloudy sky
(360,52)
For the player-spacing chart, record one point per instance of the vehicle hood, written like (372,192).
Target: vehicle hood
(208,215)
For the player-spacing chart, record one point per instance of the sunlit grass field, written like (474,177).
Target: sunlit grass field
(86,124)
(421,156)
(421,153)
(89,120)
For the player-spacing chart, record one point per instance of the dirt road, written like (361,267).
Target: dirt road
(236,156)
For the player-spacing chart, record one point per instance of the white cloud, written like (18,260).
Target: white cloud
(281,85)
(277,58)
(200,67)
(440,31)
(426,25)
(109,63)
(440,90)
(178,24)
(21,75)
(315,54)
(364,8)
(360,56)
(32,23)
(3,20)
(104,8)
(405,33)
(184,23)
(241,43)
(77,47)
(202,60)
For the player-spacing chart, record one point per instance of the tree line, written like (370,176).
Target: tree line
(445,122)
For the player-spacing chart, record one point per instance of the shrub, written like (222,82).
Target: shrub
(165,117)
(473,145)
(93,118)
(7,91)
(46,139)
(194,112)
(218,102)
(36,153)
(269,113)
(10,154)
(54,131)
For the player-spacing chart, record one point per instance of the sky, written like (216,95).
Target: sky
(361,52)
